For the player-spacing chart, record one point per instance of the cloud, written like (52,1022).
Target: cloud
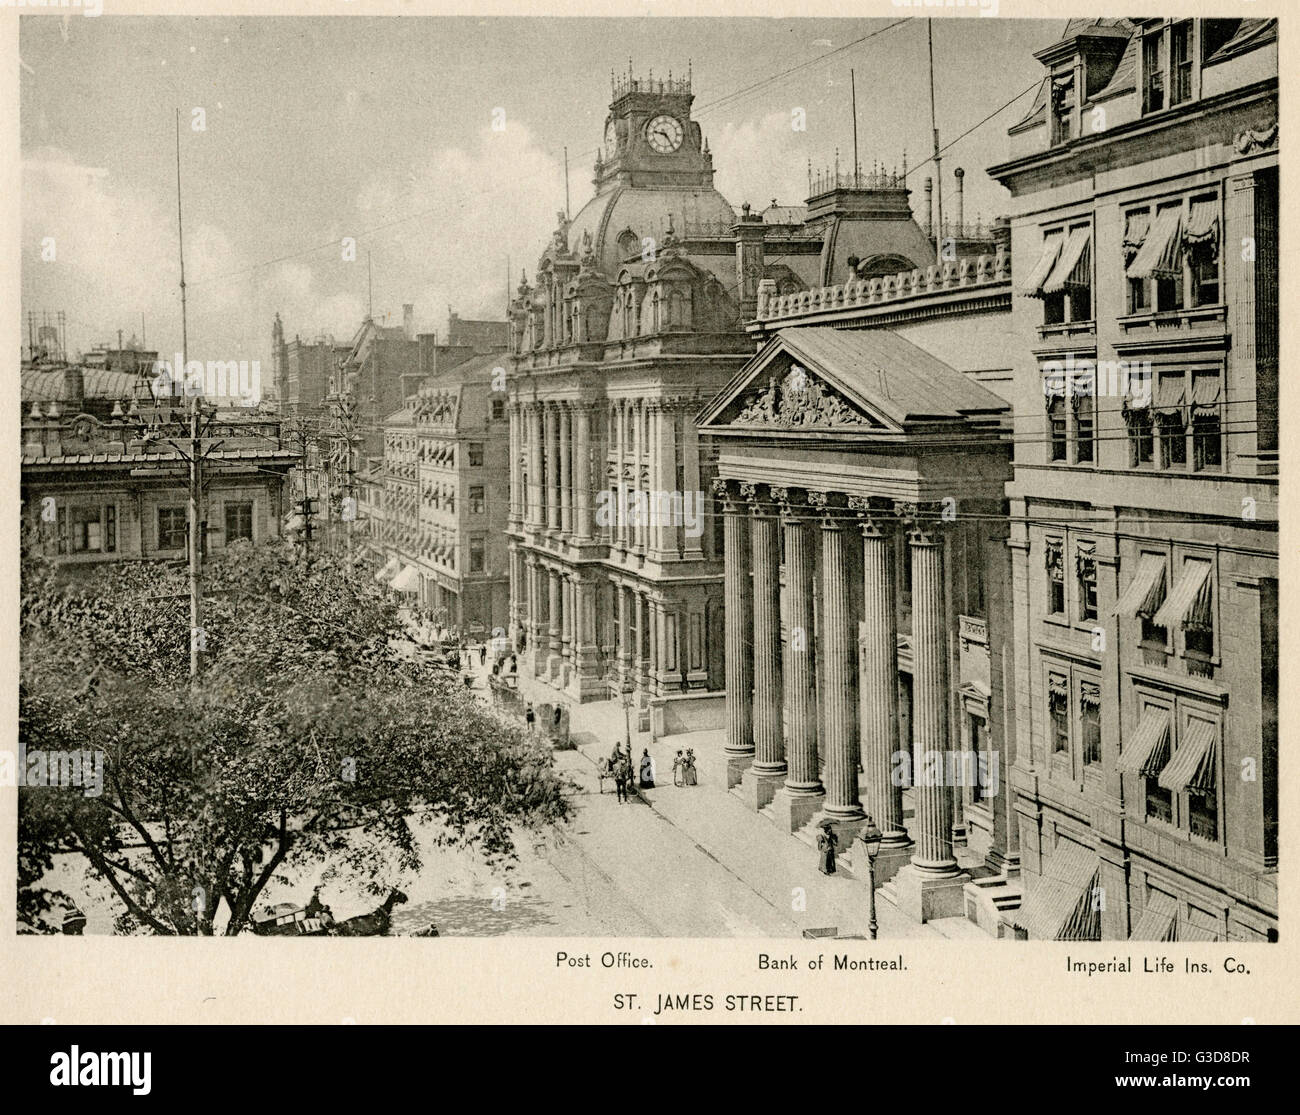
(758,160)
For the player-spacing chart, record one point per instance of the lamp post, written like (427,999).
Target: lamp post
(871,837)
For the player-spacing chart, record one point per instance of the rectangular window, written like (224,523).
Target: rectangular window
(1055,577)
(1140,437)
(1058,686)
(477,554)
(1207,439)
(1173,439)
(61,529)
(110,529)
(1139,300)
(239,521)
(477,503)
(1153,72)
(1180,63)
(1203,813)
(1085,429)
(475,454)
(1090,721)
(172,532)
(1057,441)
(1203,263)
(1086,569)
(1159,802)
(498,408)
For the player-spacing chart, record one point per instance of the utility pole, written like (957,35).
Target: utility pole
(853,96)
(197,527)
(938,170)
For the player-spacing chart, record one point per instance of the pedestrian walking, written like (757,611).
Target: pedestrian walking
(678,761)
(827,842)
(647,771)
(688,768)
(482,655)
(622,776)
(530,718)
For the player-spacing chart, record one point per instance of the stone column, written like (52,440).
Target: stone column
(878,697)
(554,620)
(738,617)
(566,618)
(552,466)
(536,495)
(692,543)
(931,885)
(620,483)
(516,449)
(638,659)
(837,653)
(802,796)
(760,782)
(637,527)
(566,470)
(582,519)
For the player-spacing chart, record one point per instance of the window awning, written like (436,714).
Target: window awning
(1189,602)
(1071,267)
(1205,390)
(1043,268)
(1058,686)
(1160,256)
(1136,226)
(408,580)
(390,567)
(1146,590)
(1187,932)
(1194,764)
(1203,223)
(1061,906)
(1146,752)
(1157,920)
(1171,391)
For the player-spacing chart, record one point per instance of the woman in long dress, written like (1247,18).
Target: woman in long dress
(826,844)
(647,771)
(688,768)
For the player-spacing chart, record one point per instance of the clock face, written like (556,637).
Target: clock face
(664,134)
(611,136)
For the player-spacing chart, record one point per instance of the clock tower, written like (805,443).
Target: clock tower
(650,139)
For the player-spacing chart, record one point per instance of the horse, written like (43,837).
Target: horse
(374,924)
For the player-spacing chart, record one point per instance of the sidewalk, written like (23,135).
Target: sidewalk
(723,840)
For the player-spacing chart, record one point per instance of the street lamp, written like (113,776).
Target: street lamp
(871,837)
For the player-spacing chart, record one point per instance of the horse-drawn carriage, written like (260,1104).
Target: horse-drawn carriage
(284,919)
(604,770)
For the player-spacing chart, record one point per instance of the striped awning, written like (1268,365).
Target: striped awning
(1157,920)
(1071,267)
(1160,256)
(1146,752)
(1171,391)
(1188,932)
(1203,223)
(390,567)
(1146,590)
(1189,603)
(1061,906)
(408,580)
(1052,245)
(1193,766)
(1135,229)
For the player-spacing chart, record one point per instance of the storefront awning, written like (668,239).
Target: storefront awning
(1157,920)
(1160,256)
(1189,603)
(1194,765)
(1043,268)
(1146,752)
(1071,267)
(1061,906)
(408,580)
(390,567)
(1146,590)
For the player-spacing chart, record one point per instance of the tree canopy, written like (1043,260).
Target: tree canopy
(303,730)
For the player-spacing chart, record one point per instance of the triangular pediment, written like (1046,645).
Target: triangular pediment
(779,389)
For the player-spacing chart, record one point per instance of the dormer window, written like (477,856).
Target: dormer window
(1063,104)
(1169,70)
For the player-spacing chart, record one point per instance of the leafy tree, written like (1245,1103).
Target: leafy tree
(305,738)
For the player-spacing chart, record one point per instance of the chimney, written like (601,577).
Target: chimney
(960,175)
(408,321)
(928,225)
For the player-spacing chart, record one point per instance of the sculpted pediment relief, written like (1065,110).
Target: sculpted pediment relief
(797,400)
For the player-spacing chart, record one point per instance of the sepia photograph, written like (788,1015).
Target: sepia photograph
(568,478)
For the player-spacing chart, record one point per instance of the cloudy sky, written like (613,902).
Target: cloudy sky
(380,129)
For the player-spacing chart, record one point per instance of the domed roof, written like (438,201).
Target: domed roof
(645,211)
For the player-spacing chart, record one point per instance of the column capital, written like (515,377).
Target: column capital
(876,516)
(758,496)
(924,522)
(830,508)
(793,503)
